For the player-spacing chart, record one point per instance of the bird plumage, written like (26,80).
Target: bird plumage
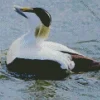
(31,53)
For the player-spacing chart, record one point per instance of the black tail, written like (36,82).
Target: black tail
(84,64)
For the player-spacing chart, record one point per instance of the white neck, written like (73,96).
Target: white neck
(33,21)
(34,24)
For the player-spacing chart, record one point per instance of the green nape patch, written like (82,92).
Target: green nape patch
(42,31)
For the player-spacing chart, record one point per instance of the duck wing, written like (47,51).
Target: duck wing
(82,63)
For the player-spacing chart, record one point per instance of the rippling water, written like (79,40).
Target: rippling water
(75,23)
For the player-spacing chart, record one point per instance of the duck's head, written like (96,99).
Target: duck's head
(41,30)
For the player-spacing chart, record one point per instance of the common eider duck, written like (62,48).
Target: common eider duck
(33,54)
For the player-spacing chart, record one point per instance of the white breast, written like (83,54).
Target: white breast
(45,51)
(13,51)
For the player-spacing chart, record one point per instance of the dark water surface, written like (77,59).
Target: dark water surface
(75,23)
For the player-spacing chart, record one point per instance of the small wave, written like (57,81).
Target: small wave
(87,41)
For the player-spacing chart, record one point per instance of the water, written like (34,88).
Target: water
(75,23)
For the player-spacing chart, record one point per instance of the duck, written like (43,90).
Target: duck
(33,54)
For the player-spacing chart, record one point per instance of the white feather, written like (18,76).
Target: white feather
(59,47)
